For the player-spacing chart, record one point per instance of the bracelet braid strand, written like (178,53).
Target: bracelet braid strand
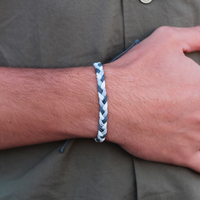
(103,102)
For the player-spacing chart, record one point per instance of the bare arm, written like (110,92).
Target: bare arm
(41,105)
(153,95)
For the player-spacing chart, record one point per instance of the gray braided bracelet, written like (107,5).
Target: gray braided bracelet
(103,104)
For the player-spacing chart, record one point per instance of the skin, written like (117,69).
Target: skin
(43,105)
(159,119)
(153,95)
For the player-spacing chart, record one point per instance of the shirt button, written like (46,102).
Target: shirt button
(146,1)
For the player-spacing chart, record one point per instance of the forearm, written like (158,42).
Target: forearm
(153,101)
(42,105)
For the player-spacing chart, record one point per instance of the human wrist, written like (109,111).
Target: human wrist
(111,74)
(120,101)
(81,120)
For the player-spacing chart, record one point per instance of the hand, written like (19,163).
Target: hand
(154,98)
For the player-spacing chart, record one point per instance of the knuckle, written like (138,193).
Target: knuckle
(166,30)
(197,29)
(168,34)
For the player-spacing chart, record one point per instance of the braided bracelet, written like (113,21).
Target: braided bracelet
(103,104)
(102,99)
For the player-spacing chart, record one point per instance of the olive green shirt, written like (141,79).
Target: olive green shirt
(61,34)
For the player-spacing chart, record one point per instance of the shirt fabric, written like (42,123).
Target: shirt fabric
(61,34)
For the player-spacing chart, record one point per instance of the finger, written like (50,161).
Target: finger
(189,38)
(194,162)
